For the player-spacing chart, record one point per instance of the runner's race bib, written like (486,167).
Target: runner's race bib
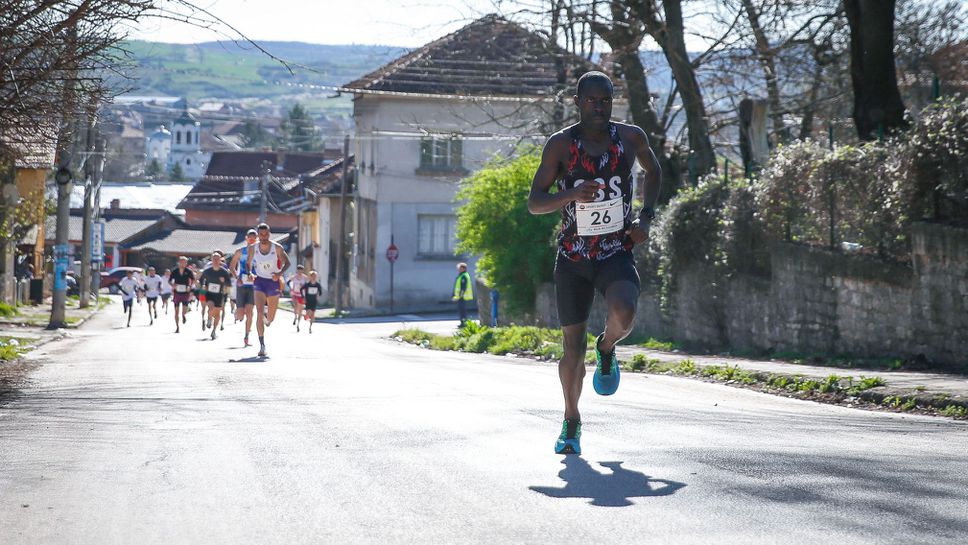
(266,267)
(214,288)
(599,218)
(311,291)
(181,288)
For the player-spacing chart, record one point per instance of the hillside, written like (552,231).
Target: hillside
(230,70)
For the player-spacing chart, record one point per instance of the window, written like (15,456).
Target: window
(188,161)
(441,153)
(436,235)
(177,137)
(188,137)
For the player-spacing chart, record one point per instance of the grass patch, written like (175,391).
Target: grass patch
(655,344)
(8,311)
(538,342)
(652,343)
(12,348)
(954,411)
(733,374)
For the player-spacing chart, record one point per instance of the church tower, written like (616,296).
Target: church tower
(185,147)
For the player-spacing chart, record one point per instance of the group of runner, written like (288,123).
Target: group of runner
(585,174)
(250,282)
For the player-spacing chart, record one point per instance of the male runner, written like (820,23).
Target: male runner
(129,289)
(182,280)
(296,283)
(591,165)
(200,294)
(310,293)
(244,294)
(215,281)
(265,262)
(166,290)
(152,284)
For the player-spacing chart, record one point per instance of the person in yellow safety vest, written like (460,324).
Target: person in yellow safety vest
(463,291)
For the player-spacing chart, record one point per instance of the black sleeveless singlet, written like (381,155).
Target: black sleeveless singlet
(612,169)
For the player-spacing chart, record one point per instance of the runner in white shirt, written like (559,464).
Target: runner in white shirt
(129,289)
(166,290)
(153,284)
(296,283)
(265,262)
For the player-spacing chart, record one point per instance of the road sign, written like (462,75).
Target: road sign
(97,241)
(392,253)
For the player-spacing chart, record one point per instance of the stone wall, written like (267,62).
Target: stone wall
(817,301)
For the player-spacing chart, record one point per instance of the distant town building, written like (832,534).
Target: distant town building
(181,146)
(159,146)
(186,148)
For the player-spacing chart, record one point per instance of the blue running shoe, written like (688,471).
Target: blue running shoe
(606,376)
(569,442)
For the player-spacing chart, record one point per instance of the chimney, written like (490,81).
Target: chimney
(115,204)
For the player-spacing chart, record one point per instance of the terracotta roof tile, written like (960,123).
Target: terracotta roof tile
(224,185)
(489,57)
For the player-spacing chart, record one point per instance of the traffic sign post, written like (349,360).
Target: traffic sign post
(392,254)
(97,242)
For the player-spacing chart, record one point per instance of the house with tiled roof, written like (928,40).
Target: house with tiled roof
(120,224)
(316,201)
(229,195)
(31,151)
(161,248)
(425,121)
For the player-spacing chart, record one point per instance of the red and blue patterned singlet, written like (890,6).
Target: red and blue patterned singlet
(612,169)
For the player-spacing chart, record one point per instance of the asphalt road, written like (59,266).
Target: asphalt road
(143,436)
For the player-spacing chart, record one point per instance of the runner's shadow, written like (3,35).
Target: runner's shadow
(606,489)
(252,359)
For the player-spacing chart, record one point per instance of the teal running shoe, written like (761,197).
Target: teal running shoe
(606,376)
(569,442)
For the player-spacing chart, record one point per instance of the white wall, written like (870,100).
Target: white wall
(388,138)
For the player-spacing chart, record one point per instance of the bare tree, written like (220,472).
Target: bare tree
(878,107)
(665,25)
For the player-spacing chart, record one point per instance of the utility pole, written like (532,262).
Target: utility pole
(85,277)
(65,148)
(266,172)
(341,244)
(97,260)
(59,299)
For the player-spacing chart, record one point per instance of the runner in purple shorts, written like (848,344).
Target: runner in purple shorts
(181,280)
(265,262)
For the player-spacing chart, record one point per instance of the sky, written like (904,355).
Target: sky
(406,23)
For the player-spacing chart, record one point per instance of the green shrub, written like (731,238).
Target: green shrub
(517,339)
(495,213)
(479,342)
(935,159)
(686,368)
(443,342)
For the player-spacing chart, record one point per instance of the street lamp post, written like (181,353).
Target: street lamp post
(57,311)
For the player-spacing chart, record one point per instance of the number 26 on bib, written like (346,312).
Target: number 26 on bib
(599,218)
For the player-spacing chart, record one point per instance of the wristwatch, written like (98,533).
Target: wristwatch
(648,213)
